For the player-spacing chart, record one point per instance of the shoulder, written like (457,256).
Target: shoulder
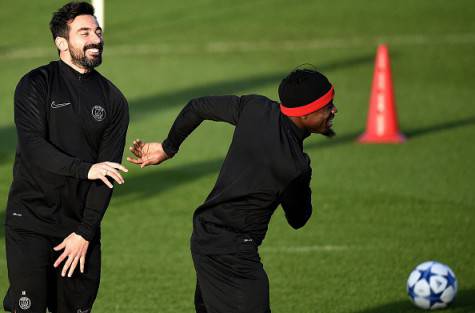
(36,79)
(39,74)
(257,99)
(259,102)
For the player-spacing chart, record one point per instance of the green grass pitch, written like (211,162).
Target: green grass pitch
(379,209)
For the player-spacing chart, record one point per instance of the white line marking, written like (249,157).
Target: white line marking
(304,249)
(249,46)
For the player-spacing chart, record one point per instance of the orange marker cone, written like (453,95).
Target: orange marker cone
(382,125)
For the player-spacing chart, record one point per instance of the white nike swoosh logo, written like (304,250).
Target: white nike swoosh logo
(59,105)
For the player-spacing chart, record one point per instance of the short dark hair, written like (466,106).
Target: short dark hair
(303,86)
(59,22)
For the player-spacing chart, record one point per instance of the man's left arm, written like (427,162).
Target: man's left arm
(111,149)
(296,200)
(98,196)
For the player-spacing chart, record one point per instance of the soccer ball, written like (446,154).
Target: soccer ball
(432,285)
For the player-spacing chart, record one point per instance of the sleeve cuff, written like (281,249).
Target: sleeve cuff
(86,231)
(169,150)
(83,170)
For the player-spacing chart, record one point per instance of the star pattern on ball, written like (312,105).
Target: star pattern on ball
(426,274)
(451,281)
(429,283)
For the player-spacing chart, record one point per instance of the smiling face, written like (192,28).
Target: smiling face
(83,47)
(321,121)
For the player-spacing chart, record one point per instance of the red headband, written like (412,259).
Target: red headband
(309,108)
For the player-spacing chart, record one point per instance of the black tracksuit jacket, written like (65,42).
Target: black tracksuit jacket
(65,121)
(264,167)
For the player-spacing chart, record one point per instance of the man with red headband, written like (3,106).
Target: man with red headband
(265,166)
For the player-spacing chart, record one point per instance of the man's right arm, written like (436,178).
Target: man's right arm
(215,108)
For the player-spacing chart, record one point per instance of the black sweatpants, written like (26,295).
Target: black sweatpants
(231,283)
(36,285)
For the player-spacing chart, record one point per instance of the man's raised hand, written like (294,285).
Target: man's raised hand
(150,153)
(111,169)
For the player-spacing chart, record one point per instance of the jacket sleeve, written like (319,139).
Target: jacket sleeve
(215,108)
(296,200)
(111,149)
(30,120)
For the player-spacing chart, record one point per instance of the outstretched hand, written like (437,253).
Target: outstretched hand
(150,153)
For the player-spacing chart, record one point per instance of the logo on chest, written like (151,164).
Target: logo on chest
(55,105)
(98,113)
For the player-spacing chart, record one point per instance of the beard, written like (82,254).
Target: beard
(328,133)
(79,57)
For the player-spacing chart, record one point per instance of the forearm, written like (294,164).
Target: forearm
(38,151)
(97,201)
(185,123)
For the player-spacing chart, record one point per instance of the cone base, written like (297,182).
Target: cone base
(372,138)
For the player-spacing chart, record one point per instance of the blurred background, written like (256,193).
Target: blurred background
(379,209)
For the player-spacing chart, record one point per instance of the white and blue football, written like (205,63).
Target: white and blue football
(432,285)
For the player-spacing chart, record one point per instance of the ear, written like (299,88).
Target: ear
(61,44)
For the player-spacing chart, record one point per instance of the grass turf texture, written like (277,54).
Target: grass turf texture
(379,210)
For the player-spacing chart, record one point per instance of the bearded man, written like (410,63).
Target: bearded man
(71,124)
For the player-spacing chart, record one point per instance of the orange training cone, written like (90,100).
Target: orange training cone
(382,125)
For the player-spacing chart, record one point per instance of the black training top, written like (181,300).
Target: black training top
(265,166)
(65,122)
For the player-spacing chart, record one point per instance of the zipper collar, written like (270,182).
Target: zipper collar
(72,73)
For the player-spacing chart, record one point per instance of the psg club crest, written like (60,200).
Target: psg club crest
(24,302)
(98,113)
